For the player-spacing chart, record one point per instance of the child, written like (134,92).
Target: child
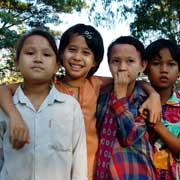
(81,50)
(163,70)
(124,149)
(57,149)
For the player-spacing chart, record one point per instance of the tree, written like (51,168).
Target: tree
(17,16)
(156,18)
(152,18)
(107,13)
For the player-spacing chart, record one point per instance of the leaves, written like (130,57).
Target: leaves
(156,19)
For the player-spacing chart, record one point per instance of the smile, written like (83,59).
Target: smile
(76,67)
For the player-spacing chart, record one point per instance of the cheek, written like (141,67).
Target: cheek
(113,69)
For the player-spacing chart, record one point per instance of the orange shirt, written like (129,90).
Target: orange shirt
(87,97)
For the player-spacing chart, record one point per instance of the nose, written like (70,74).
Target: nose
(122,66)
(163,68)
(77,56)
(38,58)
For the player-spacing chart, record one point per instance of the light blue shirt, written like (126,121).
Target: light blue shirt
(57,149)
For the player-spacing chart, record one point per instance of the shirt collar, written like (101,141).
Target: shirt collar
(174,99)
(54,95)
(137,93)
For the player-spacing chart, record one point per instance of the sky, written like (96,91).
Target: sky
(108,35)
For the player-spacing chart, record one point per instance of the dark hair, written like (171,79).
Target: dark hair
(93,39)
(153,49)
(127,40)
(39,32)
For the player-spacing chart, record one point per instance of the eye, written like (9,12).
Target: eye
(155,63)
(129,61)
(172,64)
(86,53)
(29,52)
(114,61)
(47,54)
(72,49)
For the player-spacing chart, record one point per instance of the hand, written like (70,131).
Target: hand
(121,82)
(18,131)
(153,105)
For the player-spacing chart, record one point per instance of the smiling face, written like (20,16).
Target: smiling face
(163,70)
(37,60)
(126,59)
(77,58)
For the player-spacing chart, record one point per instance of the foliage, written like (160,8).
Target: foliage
(107,12)
(152,18)
(8,73)
(156,19)
(16,16)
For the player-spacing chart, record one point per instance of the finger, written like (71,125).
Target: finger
(12,136)
(141,109)
(21,135)
(26,136)
(17,144)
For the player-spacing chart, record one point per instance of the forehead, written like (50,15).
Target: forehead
(124,49)
(37,40)
(165,52)
(78,40)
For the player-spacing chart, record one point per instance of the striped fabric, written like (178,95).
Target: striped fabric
(131,156)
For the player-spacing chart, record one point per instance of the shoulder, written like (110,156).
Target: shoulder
(62,97)
(107,89)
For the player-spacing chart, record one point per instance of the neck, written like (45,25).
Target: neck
(164,94)
(75,83)
(36,93)
(36,89)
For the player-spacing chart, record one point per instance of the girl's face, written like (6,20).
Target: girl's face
(163,71)
(37,60)
(77,58)
(126,60)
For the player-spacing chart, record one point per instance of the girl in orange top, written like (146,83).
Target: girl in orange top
(81,51)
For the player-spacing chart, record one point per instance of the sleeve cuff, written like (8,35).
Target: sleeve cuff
(119,105)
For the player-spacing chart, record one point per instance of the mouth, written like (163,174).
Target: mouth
(76,67)
(164,79)
(37,68)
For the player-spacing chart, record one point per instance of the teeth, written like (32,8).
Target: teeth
(76,67)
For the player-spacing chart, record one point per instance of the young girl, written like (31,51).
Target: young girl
(124,150)
(163,70)
(55,120)
(81,52)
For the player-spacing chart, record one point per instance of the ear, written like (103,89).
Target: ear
(143,65)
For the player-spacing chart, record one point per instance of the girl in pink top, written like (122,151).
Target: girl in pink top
(81,51)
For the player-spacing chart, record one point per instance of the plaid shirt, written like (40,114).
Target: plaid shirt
(166,164)
(131,156)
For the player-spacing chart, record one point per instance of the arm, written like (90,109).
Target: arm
(104,80)
(18,130)
(2,131)
(129,128)
(79,164)
(168,138)
(152,104)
